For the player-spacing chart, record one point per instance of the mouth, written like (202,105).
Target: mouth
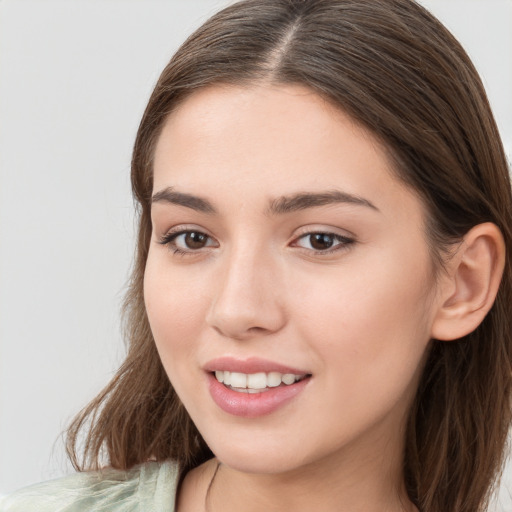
(253,387)
(259,382)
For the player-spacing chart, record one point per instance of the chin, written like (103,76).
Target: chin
(258,463)
(266,455)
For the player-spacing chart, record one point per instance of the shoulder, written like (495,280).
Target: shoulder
(148,487)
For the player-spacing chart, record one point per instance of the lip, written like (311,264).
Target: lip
(251,365)
(252,405)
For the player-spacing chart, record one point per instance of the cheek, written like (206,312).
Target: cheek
(176,309)
(365,296)
(369,325)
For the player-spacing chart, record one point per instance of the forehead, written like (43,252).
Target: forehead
(270,140)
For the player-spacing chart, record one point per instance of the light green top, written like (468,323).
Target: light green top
(150,487)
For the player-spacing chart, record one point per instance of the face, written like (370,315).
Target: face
(289,262)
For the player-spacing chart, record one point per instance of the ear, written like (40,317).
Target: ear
(468,290)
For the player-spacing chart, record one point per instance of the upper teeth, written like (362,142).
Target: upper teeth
(259,380)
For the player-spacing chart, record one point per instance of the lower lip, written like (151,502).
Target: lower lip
(252,405)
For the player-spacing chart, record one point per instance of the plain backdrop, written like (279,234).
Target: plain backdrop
(74,79)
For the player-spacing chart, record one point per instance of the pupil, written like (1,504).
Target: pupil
(195,240)
(321,241)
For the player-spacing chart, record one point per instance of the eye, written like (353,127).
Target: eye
(323,242)
(187,241)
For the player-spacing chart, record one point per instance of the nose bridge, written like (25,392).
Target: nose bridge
(247,297)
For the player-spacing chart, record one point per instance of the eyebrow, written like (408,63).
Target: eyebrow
(278,206)
(304,200)
(169,195)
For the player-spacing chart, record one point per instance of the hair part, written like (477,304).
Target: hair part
(392,67)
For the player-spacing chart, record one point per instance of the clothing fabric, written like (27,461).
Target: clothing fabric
(150,487)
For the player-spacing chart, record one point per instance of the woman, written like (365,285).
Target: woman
(319,310)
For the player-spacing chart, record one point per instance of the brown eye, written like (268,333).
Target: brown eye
(188,241)
(321,241)
(195,240)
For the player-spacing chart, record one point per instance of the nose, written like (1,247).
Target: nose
(248,297)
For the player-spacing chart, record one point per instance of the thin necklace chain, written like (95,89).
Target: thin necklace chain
(208,491)
(207,496)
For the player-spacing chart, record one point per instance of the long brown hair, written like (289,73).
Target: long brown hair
(396,70)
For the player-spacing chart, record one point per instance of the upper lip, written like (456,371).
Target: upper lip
(250,365)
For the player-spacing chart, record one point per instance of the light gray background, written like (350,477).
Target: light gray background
(74,79)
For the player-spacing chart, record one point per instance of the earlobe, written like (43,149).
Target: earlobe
(469,289)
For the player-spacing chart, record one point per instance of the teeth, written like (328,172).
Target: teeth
(273,379)
(257,381)
(254,382)
(238,380)
(288,378)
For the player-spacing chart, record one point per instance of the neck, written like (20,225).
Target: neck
(368,482)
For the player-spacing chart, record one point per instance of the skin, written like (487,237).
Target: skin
(358,319)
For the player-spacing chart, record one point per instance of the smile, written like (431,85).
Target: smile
(255,382)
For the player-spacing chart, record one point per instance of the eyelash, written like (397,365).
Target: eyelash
(169,240)
(344,242)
